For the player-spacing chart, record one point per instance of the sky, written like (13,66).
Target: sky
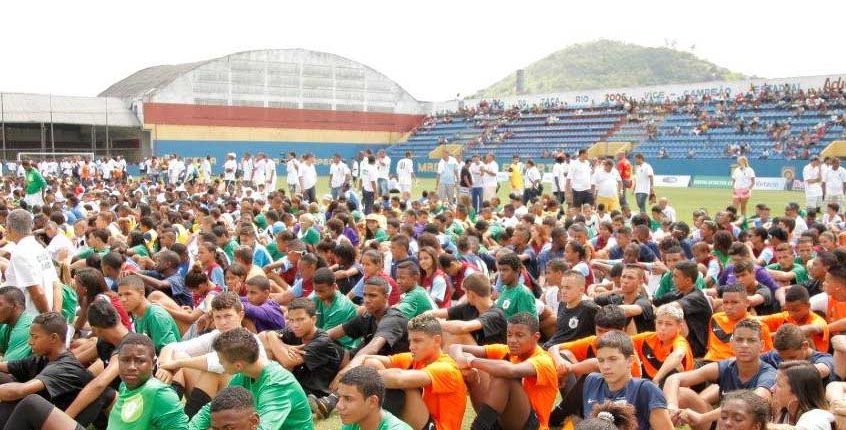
(433,49)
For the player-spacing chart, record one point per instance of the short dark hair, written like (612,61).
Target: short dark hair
(138,339)
(758,407)
(509,259)
(796,293)
(366,380)
(618,340)
(132,281)
(233,397)
(610,317)
(13,295)
(101,314)
(749,323)
(526,319)
(324,276)
(788,337)
(689,269)
(237,345)
(410,266)
(303,303)
(259,282)
(478,283)
(52,323)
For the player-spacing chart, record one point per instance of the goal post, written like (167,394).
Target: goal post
(53,155)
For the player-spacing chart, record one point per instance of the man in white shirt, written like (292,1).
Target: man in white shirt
(247,169)
(447,179)
(270,173)
(369,179)
(30,267)
(833,181)
(559,176)
(405,176)
(383,166)
(812,176)
(59,242)
(644,185)
(579,180)
(174,170)
(607,184)
(259,170)
(293,175)
(490,170)
(308,178)
(477,190)
(229,169)
(339,174)
(666,209)
(531,182)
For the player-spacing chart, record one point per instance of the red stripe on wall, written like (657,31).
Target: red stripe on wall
(247,116)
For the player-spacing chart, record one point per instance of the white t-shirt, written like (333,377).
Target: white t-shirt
(308,175)
(810,172)
(834,181)
(259,172)
(338,174)
(606,182)
(405,170)
(202,345)
(384,167)
(643,173)
(229,168)
(293,178)
(30,265)
(560,170)
(743,177)
(815,419)
(476,174)
(247,167)
(58,243)
(533,177)
(493,167)
(369,175)
(580,175)
(270,172)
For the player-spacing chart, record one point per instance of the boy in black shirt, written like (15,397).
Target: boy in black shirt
(760,296)
(697,310)
(477,322)
(52,372)
(304,349)
(632,300)
(575,315)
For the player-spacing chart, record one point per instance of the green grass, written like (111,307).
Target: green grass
(684,200)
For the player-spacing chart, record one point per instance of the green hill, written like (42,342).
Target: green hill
(610,64)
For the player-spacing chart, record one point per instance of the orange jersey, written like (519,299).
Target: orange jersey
(653,353)
(775,321)
(541,388)
(719,335)
(446,396)
(836,310)
(585,348)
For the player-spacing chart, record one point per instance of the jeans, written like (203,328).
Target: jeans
(368,196)
(383,186)
(626,184)
(641,201)
(476,197)
(336,192)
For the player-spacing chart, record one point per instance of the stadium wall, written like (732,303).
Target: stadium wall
(200,130)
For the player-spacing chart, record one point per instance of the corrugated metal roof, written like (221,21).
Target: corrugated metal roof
(37,108)
(148,79)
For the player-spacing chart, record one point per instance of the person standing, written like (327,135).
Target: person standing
(229,169)
(448,171)
(247,168)
(624,167)
(607,186)
(559,176)
(369,179)
(833,183)
(339,174)
(292,167)
(644,182)
(383,167)
(270,173)
(579,180)
(743,180)
(34,185)
(308,178)
(477,189)
(30,266)
(515,175)
(260,170)
(405,176)
(812,177)
(532,182)
(490,170)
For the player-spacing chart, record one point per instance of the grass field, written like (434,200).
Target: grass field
(684,200)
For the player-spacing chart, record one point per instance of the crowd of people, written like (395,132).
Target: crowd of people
(180,300)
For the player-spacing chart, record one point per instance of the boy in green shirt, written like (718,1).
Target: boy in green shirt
(785,270)
(414,300)
(279,399)
(147,318)
(514,297)
(233,409)
(14,330)
(671,257)
(143,402)
(360,395)
(333,308)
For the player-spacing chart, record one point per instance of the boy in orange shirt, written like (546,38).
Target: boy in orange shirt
(664,351)
(444,397)
(797,310)
(517,393)
(735,305)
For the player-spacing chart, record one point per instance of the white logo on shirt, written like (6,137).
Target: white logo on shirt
(506,303)
(574,322)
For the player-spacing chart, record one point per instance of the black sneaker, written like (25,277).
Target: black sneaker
(322,407)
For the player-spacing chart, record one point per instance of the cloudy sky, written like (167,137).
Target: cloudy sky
(434,49)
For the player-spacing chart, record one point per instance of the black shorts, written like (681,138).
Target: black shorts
(532,422)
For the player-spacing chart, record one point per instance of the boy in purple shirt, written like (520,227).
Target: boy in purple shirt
(265,314)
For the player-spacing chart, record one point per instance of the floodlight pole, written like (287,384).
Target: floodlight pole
(3,124)
(52,133)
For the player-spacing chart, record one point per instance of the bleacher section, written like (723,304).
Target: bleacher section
(530,135)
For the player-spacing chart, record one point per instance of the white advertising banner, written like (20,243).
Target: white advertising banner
(672,181)
(770,184)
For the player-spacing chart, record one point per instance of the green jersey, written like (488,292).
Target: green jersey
(89,251)
(153,405)
(389,422)
(141,250)
(14,340)
(516,299)
(34,182)
(261,221)
(158,325)
(69,302)
(338,312)
(229,250)
(414,303)
(279,400)
(666,286)
(273,250)
(310,236)
(799,270)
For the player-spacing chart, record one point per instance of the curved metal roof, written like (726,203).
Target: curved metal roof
(149,79)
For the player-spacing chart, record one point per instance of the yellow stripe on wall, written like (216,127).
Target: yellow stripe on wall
(216,133)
